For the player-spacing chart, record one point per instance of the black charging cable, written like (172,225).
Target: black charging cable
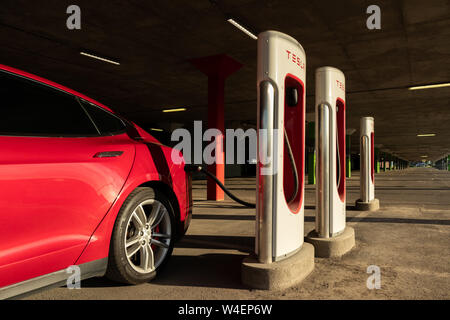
(209,174)
(197,168)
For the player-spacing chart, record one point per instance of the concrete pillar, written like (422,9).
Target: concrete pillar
(217,68)
(377,160)
(356,161)
(311,156)
(311,167)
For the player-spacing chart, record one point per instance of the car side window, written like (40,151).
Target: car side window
(28,108)
(106,122)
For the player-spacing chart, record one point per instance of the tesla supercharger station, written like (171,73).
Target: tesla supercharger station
(367,199)
(279,245)
(330,237)
(281,71)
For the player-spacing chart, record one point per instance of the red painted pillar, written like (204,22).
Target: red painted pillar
(217,68)
(216,97)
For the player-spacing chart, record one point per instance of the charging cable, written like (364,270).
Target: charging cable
(197,168)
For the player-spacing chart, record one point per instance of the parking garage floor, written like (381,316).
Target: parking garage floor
(408,238)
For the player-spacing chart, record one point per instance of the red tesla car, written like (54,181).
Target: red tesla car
(80,185)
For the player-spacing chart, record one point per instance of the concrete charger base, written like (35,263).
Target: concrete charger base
(332,247)
(278,275)
(373,205)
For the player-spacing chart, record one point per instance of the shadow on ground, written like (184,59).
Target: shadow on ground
(207,270)
(241,243)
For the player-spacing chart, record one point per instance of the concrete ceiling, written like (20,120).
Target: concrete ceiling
(153,40)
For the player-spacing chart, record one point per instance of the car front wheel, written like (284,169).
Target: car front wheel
(143,237)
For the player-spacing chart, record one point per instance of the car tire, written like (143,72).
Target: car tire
(143,237)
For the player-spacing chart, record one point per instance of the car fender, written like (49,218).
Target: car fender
(151,165)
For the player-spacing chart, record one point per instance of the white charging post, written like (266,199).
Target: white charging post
(282,259)
(367,201)
(330,238)
(281,67)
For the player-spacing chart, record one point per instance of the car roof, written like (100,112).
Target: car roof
(31,76)
(52,84)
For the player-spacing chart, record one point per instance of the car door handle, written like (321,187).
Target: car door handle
(108,154)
